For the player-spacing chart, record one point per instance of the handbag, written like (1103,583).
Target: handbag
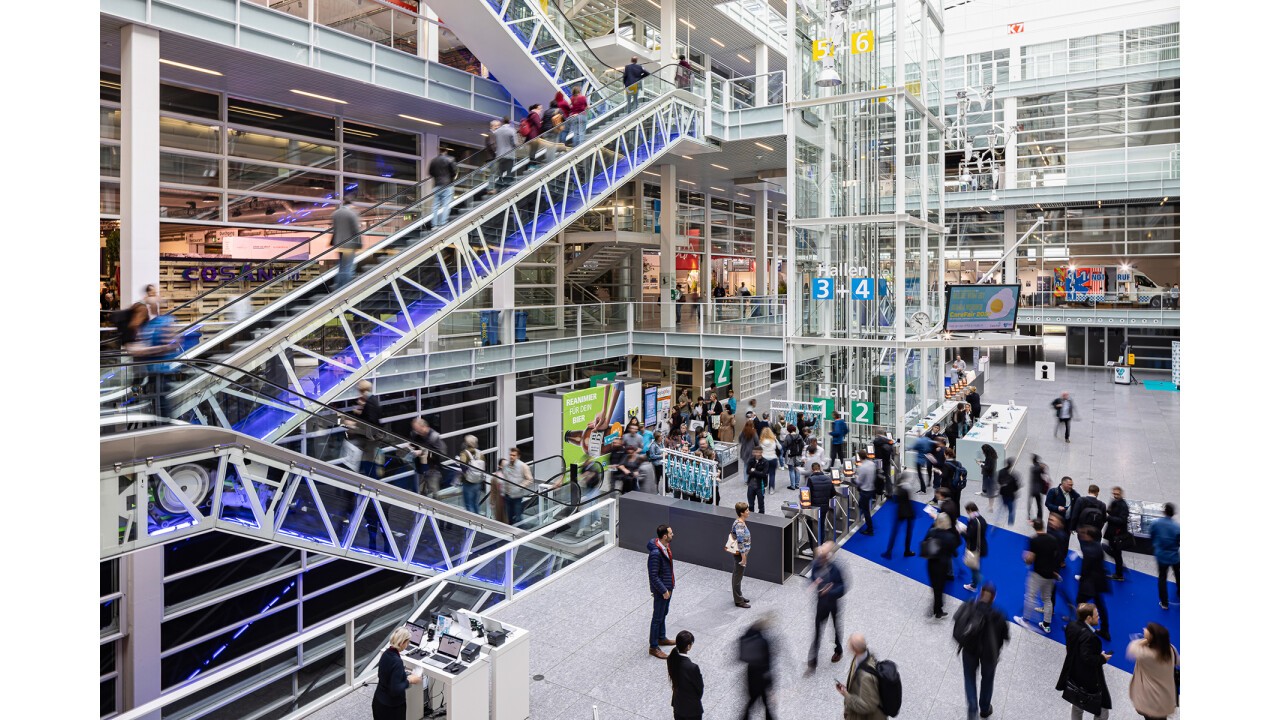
(731,545)
(1090,702)
(971,559)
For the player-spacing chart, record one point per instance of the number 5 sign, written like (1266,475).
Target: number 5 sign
(861,42)
(822,48)
(862,412)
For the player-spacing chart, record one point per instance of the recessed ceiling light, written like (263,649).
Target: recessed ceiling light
(185,66)
(318,97)
(719,166)
(646,172)
(688,24)
(717,42)
(743,58)
(686,157)
(713,187)
(254,112)
(361,133)
(689,182)
(763,146)
(745,195)
(421,120)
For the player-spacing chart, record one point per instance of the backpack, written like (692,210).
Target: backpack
(960,480)
(526,128)
(931,548)
(1092,516)
(471,473)
(889,684)
(795,445)
(969,627)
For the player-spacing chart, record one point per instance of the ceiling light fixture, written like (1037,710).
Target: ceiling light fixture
(719,166)
(764,147)
(688,24)
(1164,200)
(743,58)
(651,2)
(421,120)
(646,172)
(110,84)
(689,182)
(255,113)
(686,157)
(185,66)
(361,133)
(318,97)
(717,42)
(713,187)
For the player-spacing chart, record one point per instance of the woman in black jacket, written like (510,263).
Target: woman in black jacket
(393,680)
(938,549)
(989,488)
(1009,483)
(1082,681)
(686,680)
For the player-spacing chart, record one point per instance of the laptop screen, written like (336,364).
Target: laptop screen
(450,645)
(415,633)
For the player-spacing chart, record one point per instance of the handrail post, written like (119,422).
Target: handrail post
(509,574)
(349,643)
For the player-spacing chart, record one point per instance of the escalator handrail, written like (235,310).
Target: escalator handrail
(478,173)
(374,431)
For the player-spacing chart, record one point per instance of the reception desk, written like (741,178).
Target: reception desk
(1004,428)
(494,686)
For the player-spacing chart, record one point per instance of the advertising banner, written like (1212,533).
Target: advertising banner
(591,417)
(664,402)
(632,397)
(981,307)
(650,406)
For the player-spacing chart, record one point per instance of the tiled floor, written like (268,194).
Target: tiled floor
(590,627)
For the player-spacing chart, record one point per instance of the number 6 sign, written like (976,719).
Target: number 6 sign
(861,42)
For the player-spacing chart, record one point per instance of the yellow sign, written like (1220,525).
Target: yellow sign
(913,87)
(821,49)
(1131,359)
(861,42)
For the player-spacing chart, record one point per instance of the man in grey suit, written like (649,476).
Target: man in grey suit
(346,226)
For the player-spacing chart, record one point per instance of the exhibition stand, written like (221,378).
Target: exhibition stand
(1003,427)
(492,686)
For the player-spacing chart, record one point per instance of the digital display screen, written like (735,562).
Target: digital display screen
(450,645)
(971,308)
(415,633)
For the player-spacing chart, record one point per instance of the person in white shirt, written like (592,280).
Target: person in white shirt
(770,445)
(519,482)
(812,454)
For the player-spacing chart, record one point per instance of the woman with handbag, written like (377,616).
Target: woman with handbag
(739,545)
(1154,688)
(1082,681)
(990,489)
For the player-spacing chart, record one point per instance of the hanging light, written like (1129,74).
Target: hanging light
(829,77)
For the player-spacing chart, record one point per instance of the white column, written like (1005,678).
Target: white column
(670,40)
(504,300)
(668,206)
(762,82)
(143,585)
(1011,266)
(506,435)
(139,160)
(429,35)
(1010,179)
(762,241)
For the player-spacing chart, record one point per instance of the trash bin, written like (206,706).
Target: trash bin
(522,324)
(490,327)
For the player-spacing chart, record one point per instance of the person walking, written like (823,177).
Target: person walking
(632,74)
(756,652)
(472,464)
(577,116)
(686,679)
(757,473)
(793,446)
(1062,499)
(1117,532)
(1042,555)
(1008,483)
(821,492)
(519,481)
(923,448)
(368,410)
(1094,580)
(656,448)
(504,146)
(1082,680)
(428,452)
(990,488)
(742,547)
(938,549)
(839,429)
(975,543)
(662,581)
(1037,486)
(1166,541)
(955,476)
(828,583)
(748,440)
(1064,409)
(865,479)
(886,456)
(981,632)
(443,170)
(345,228)
(769,450)
(393,680)
(905,512)
(1057,529)
(861,691)
(1154,687)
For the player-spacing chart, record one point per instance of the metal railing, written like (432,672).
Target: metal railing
(1158,163)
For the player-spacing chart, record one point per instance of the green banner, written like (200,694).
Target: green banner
(591,417)
(723,374)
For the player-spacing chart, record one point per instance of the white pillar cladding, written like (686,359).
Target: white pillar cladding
(429,35)
(1010,179)
(670,38)
(504,301)
(668,207)
(762,82)
(1011,266)
(762,242)
(143,609)
(139,161)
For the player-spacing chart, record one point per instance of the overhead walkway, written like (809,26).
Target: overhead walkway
(406,283)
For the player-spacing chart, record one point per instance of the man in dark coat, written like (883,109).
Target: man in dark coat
(1094,581)
(662,582)
(1062,498)
(828,583)
(1085,658)
(754,650)
(821,491)
(632,74)
(984,652)
(905,513)
(1117,534)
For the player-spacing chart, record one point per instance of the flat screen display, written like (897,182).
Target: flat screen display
(972,308)
(415,633)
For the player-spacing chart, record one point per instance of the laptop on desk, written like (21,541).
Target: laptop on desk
(448,652)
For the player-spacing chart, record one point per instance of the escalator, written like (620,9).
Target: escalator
(411,278)
(173,481)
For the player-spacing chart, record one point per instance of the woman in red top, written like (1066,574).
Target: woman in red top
(577,115)
(561,102)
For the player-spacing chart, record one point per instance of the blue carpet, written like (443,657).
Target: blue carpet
(1131,604)
(1159,385)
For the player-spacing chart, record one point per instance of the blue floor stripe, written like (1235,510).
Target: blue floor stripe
(1132,603)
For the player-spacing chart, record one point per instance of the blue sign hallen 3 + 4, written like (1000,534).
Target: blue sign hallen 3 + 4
(860,288)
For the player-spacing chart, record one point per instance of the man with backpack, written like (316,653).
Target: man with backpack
(1088,512)
(980,633)
(793,448)
(530,129)
(873,690)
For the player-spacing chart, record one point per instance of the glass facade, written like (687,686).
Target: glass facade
(1122,48)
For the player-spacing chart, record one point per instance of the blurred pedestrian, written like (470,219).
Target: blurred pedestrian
(443,170)
(1082,680)
(429,453)
(632,74)
(157,340)
(530,129)
(1154,687)
(770,449)
(865,479)
(505,143)
(939,549)
(684,73)
(1008,483)
(990,488)
(748,440)
(1037,485)
(755,651)
(975,543)
(1166,541)
(369,410)
(839,430)
(904,512)
(1042,555)
(662,582)
(519,482)
(686,679)
(1064,409)
(861,691)
(345,228)
(812,455)
(577,116)
(1117,533)
(742,548)
(473,477)
(923,448)
(982,632)
(828,583)
(656,447)
(1094,580)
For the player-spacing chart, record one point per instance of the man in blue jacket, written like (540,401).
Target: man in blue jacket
(1166,541)
(839,429)
(662,580)
(828,583)
(632,74)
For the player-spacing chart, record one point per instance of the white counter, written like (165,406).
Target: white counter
(1004,428)
(495,686)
